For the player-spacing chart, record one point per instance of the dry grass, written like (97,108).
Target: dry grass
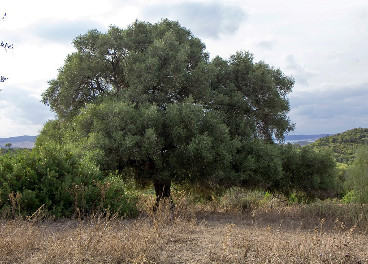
(190,234)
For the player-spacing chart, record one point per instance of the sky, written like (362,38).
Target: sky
(322,44)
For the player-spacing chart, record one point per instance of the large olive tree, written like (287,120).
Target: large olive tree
(149,100)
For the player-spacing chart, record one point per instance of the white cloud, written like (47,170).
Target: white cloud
(206,19)
(298,71)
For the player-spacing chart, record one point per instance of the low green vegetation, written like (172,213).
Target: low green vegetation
(62,184)
(66,182)
(349,149)
(357,178)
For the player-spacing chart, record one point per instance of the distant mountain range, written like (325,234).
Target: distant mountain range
(28,141)
(304,139)
(19,142)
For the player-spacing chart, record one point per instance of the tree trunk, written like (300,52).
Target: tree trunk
(162,189)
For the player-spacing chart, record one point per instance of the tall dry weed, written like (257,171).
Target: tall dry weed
(186,233)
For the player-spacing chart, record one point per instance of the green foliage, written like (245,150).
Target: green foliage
(345,148)
(258,165)
(310,171)
(287,170)
(350,197)
(266,89)
(163,64)
(343,145)
(56,179)
(252,96)
(341,176)
(357,177)
(147,102)
(184,143)
(118,196)
(4,151)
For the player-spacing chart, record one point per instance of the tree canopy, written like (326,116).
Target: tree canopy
(165,64)
(148,101)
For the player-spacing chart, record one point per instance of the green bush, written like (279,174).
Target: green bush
(119,196)
(350,197)
(287,170)
(61,182)
(310,172)
(357,177)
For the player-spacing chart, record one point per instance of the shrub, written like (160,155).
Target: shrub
(64,184)
(119,196)
(307,171)
(357,177)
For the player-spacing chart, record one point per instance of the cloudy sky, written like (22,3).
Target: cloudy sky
(322,44)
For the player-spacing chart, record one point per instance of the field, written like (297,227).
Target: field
(216,232)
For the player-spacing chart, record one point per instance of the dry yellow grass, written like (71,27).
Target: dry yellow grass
(187,234)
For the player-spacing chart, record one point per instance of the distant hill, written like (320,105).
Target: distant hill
(303,139)
(19,142)
(343,145)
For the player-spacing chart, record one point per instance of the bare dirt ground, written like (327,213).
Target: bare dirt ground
(190,236)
